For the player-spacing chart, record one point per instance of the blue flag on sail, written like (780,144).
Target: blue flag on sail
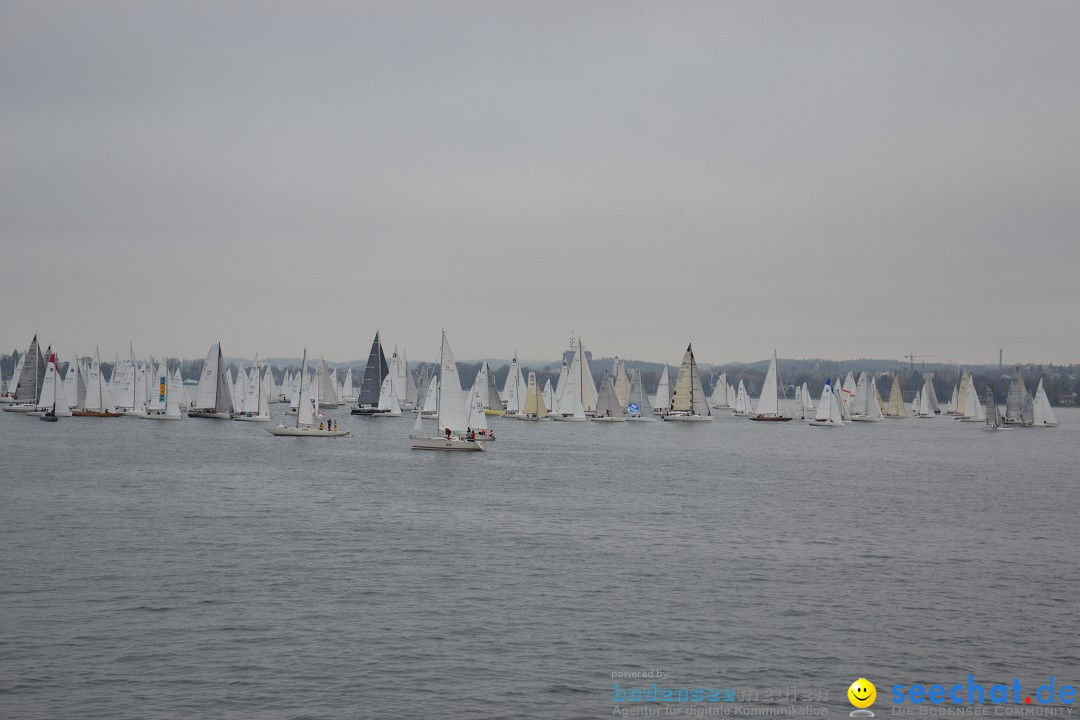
(633,408)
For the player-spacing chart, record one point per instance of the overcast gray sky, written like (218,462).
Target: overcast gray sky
(832,179)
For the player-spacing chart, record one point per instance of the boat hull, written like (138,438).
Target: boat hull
(641,418)
(208,414)
(93,413)
(770,418)
(819,423)
(442,443)
(251,418)
(161,417)
(687,418)
(48,418)
(568,418)
(21,408)
(609,419)
(281,431)
(369,411)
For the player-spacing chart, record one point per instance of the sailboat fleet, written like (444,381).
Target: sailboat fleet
(155,390)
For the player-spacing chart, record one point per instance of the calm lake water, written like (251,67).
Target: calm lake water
(205,569)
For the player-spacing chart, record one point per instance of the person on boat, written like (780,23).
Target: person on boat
(447,433)
(472,435)
(321,426)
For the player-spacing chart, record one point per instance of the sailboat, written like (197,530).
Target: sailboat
(768,404)
(348,393)
(8,396)
(53,402)
(973,409)
(305,412)
(638,407)
(27,383)
(328,394)
(97,402)
(404,385)
(951,406)
(212,399)
(608,407)
(994,420)
(743,406)
(389,406)
(376,370)
(255,406)
(548,396)
(895,407)
(534,407)
(866,408)
(165,404)
(807,400)
(925,408)
(688,401)
(719,398)
(450,410)
(828,409)
(513,392)
(1043,413)
(431,398)
(484,383)
(662,399)
(575,398)
(1019,408)
(621,382)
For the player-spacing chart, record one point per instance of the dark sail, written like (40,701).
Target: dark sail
(374,373)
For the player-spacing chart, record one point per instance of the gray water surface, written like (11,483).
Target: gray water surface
(205,569)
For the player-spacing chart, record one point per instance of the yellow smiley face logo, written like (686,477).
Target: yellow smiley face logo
(862,693)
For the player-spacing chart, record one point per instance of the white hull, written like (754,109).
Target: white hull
(252,418)
(208,415)
(442,443)
(6,400)
(609,419)
(864,418)
(531,418)
(39,413)
(824,424)
(567,418)
(282,431)
(21,408)
(687,418)
(388,414)
(641,418)
(161,417)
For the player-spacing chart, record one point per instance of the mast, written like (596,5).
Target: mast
(303,373)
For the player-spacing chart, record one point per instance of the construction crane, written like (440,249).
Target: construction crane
(911,360)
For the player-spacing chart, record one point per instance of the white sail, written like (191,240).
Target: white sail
(97,390)
(560,387)
(1043,413)
(175,396)
(743,405)
(662,399)
(638,404)
(13,382)
(305,403)
(160,396)
(828,409)
(621,384)
(570,401)
(768,404)
(871,409)
(607,402)
(206,394)
(807,399)
(431,399)
(719,397)
(71,383)
(475,399)
(549,397)
(388,399)
(862,388)
(514,388)
(585,380)
(973,409)
(925,408)
(895,407)
(950,408)
(348,394)
(689,396)
(993,415)
(328,396)
(451,400)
